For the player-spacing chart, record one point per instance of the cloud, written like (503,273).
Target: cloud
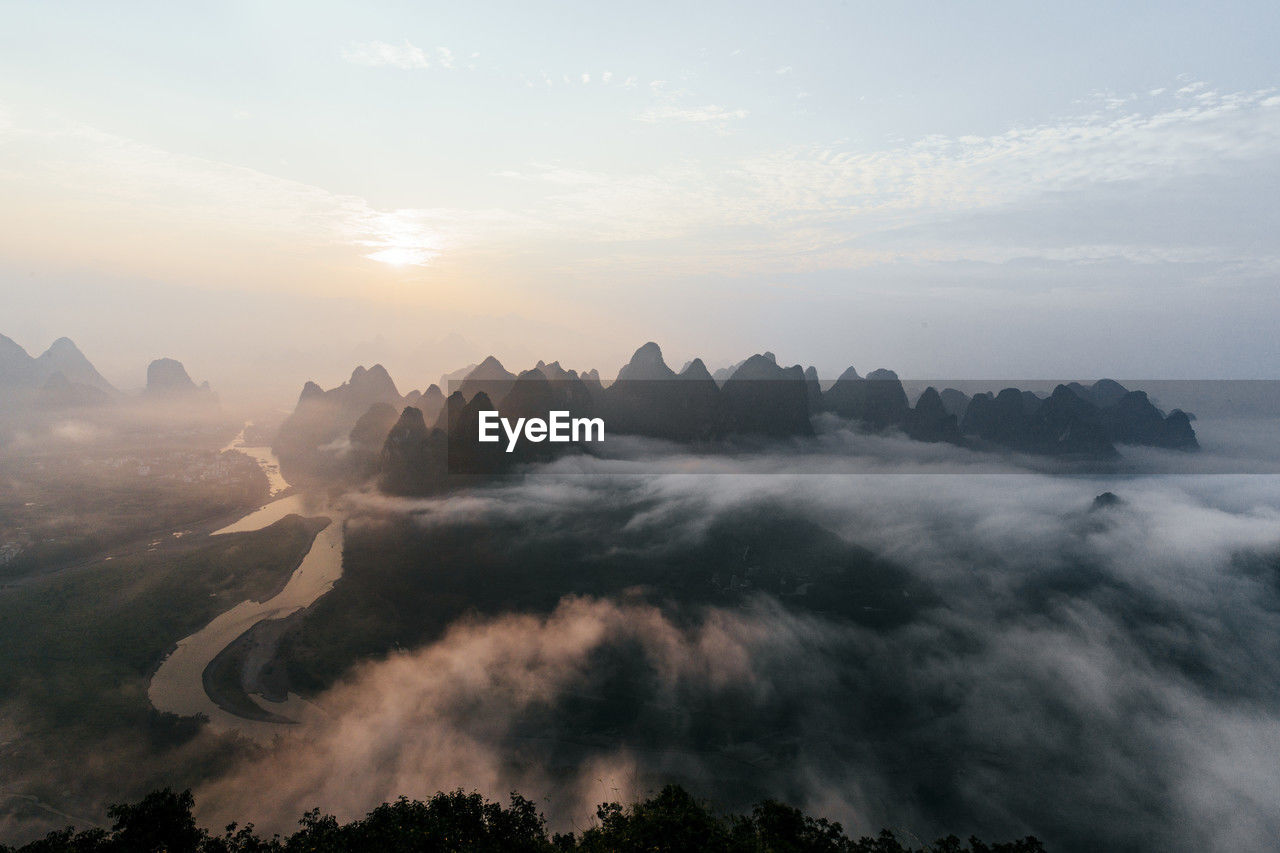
(1104,680)
(710,114)
(177,200)
(814,207)
(1119,181)
(406,56)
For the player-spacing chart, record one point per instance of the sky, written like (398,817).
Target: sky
(272,192)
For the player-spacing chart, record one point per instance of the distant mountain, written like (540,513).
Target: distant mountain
(722,375)
(488,377)
(930,420)
(20,370)
(432,439)
(16,366)
(169,383)
(650,399)
(60,379)
(761,398)
(64,357)
(877,401)
(646,365)
(1076,421)
(430,402)
(315,439)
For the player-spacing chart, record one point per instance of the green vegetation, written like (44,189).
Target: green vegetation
(58,508)
(405,583)
(79,648)
(458,822)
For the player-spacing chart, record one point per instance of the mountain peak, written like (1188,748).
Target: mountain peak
(696,370)
(371,386)
(64,357)
(763,366)
(647,363)
(168,376)
(64,345)
(310,391)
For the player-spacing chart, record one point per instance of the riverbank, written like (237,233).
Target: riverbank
(188,683)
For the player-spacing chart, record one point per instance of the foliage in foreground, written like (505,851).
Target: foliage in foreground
(671,821)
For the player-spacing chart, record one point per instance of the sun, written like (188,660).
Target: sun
(402,256)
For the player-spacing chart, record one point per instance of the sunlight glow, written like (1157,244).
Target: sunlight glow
(399,237)
(403,256)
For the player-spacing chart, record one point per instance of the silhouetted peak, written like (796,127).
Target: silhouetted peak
(310,391)
(811,373)
(930,403)
(555,372)
(64,346)
(1107,391)
(882,375)
(647,363)
(168,376)
(373,384)
(696,370)
(63,355)
(453,409)
(850,375)
(1106,500)
(490,368)
(410,424)
(489,376)
(762,366)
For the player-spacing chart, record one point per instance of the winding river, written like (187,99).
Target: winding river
(178,685)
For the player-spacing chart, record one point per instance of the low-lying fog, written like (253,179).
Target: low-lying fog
(1103,677)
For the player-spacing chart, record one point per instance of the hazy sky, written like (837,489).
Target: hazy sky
(272,191)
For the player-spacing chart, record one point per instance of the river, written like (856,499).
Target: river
(178,685)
